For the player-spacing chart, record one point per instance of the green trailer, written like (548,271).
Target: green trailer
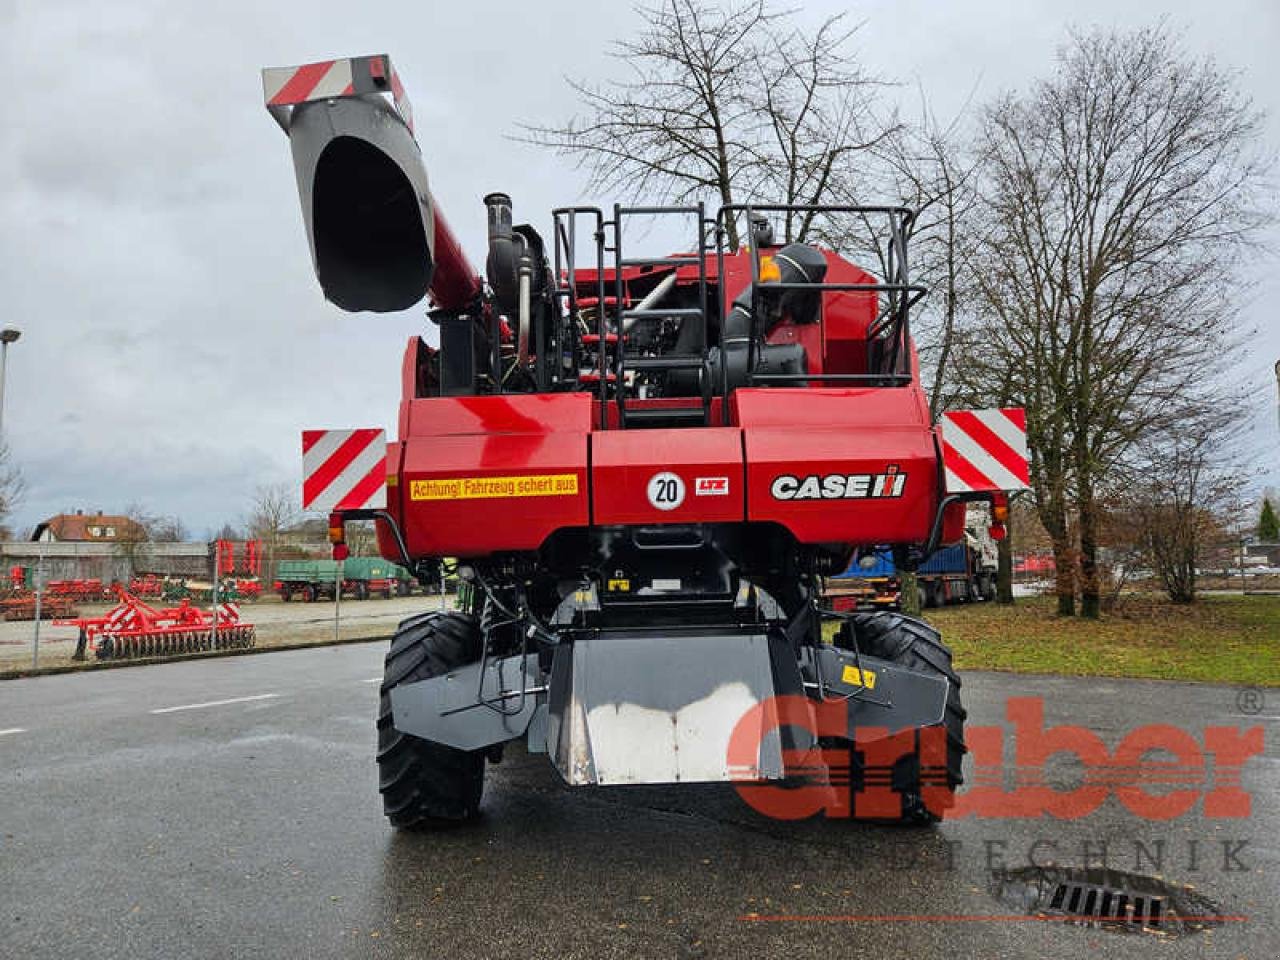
(361,578)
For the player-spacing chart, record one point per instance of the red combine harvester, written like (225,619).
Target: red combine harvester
(645,467)
(133,629)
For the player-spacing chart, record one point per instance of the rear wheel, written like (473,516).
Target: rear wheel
(915,645)
(423,782)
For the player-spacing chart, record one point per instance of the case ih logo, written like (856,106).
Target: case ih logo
(840,486)
(711,487)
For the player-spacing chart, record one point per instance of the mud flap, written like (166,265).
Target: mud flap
(882,697)
(644,707)
(446,709)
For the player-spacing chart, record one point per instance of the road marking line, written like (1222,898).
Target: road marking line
(217,703)
(5,733)
(373,680)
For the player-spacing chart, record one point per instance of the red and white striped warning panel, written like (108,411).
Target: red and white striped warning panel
(123,617)
(327,79)
(985,450)
(228,612)
(344,470)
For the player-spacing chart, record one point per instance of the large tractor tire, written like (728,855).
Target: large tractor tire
(915,645)
(423,783)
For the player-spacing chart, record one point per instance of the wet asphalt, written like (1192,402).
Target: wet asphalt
(253,829)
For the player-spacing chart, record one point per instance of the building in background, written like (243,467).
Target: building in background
(81,527)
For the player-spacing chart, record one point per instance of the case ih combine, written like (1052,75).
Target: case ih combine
(645,466)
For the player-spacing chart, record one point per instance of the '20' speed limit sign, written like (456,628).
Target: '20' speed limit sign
(666,490)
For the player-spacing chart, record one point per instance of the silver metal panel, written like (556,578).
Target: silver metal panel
(356,283)
(644,708)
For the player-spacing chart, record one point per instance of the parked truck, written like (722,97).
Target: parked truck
(959,573)
(362,577)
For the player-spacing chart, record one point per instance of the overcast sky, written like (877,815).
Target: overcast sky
(174,342)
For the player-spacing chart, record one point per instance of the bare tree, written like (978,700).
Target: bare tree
(684,124)
(820,112)
(12,487)
(228,531)
(1121,193)
(362,538)
(166,529)
(928,167)
(730,102)
(1170,510)
(274,510)
(132,540)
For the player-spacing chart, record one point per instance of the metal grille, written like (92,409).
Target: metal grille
(1107,899)
(1093,902)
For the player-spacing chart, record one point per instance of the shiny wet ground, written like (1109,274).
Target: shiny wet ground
(229,808)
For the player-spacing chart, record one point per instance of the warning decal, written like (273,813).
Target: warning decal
(850,676)
(477,488)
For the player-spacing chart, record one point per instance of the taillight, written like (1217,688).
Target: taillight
(1000,508)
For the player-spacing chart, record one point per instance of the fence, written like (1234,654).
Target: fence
(107,561)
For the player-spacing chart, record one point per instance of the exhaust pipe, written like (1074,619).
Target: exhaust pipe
(377,242)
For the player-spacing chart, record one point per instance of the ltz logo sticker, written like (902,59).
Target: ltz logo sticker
(840,486)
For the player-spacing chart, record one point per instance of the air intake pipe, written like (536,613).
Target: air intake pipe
(510,268)
(377,240)
(797,263)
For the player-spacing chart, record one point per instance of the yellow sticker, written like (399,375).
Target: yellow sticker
(850,676)
(477,488)
(619,586)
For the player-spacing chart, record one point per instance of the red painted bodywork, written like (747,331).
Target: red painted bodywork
(858,430)
(622,461)
(797,431)
(455,283)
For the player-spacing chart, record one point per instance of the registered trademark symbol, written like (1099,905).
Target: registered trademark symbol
(1250,701)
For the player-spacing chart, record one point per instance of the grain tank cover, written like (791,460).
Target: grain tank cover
(361,181)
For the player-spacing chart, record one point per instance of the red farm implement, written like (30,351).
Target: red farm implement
(133,629)
(147,585)
(22,606)
(89,590)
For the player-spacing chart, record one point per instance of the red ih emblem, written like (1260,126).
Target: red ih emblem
(711,487)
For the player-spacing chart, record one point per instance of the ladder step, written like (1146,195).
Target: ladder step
(686,261)
(649,211)
(652,415)
(654,313)
(664,363)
